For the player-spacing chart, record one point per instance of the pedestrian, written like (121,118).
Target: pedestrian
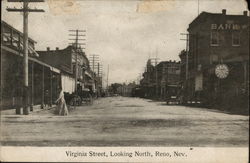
(61,104)
(46,98)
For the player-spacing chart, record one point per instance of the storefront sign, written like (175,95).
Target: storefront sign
(221,71)
(227,27)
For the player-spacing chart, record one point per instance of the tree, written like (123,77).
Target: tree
(114,87)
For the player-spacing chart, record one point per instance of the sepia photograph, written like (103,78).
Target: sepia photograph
(124,80)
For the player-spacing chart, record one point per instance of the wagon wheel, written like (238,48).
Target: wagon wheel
(75,101)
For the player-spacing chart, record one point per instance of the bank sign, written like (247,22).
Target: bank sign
(228,26)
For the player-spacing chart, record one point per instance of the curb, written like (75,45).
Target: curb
(36,109)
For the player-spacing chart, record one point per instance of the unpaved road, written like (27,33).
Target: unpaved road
(123,121)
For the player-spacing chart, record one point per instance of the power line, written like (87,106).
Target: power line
(25,11)
(187,51)
(77,45)
(94,58)
(108,77)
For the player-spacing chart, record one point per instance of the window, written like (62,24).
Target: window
(15,39)
(214,39)
(6,35)
(236,39)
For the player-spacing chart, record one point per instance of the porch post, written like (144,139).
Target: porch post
(32,86)
(51,87)
(42,105)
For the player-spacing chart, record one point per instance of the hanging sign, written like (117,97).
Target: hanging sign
(221,71)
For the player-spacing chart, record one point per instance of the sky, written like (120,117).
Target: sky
(124,33)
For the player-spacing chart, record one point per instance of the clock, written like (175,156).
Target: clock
(221,71)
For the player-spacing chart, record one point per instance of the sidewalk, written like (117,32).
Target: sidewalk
(36,109)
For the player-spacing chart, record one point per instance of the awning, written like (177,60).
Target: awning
(31,58)
(7,37)
(33,51)
(85,89)
(55,70)
(86,73)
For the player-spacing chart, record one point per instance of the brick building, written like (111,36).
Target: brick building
(218,64)
(85,77)
(168,74)
(157,80)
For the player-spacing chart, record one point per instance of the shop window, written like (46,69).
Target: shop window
(214,39)
(236,39)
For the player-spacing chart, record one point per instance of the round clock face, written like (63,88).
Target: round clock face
(221,71)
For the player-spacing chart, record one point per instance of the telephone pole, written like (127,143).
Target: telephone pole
(156,75)
(25,11)
(77,45)
(187,51)
(99,70)
(93,60)
(108,78)
(187,65)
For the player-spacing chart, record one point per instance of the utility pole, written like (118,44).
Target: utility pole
(108,77)
(187,63)
(156,75)
(99,69)
(187,51)
(77,45)
(198,7)
(99,74)
(25,11)
(93,60)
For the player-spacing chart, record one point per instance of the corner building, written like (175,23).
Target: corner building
(217,39)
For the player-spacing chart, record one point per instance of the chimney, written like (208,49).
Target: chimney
(245,13)
(224,11)
(57,48)
(48,49)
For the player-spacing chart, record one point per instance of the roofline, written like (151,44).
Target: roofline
(54,51)
(5,23)
(218,14)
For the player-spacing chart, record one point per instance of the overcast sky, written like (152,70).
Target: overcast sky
(124,33)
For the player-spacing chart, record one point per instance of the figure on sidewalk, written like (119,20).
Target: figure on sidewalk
(61,104)
(46,98)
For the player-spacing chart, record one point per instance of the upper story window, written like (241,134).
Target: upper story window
(236,38)
(15,39)
(6,35)
(214,38)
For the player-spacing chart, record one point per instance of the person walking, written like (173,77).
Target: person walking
(61,104)
(46,98)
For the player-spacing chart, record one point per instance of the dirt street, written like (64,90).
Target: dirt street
(124,121)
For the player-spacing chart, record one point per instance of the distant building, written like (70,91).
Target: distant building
(65,60)
(218,64)
(126,89)
(147,81)
(168,75)
(157,79)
